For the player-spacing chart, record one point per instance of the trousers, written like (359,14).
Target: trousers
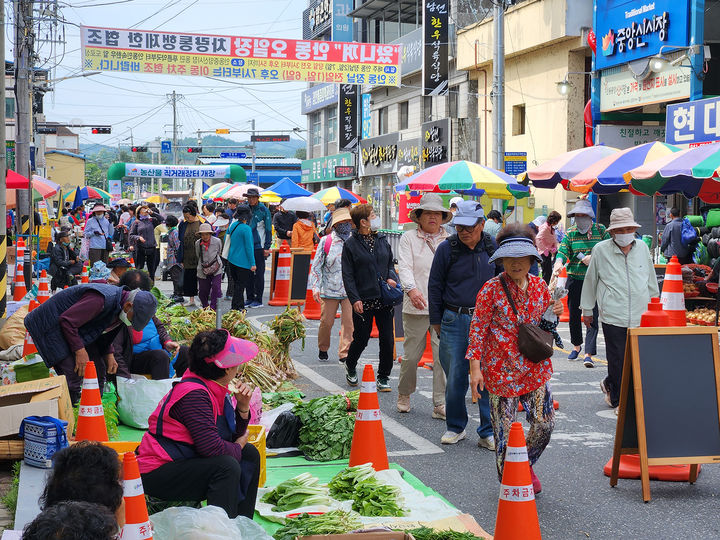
(615,341)
(147,256)
(327,320)
(210,290)
(255,283)
(362,326)
(415,330)
(574,287)
(240,276)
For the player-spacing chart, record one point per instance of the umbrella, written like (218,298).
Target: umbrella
(466,175)
(42,187)
(406,185)
(304,204)
(286,188)
(607,175)
(124,201)
(563,167)
(267,196)
(87,192)
(157,199)
(236,191)
(213,190)
(330,195)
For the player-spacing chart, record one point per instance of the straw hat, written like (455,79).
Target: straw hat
(432,203)
(341,214)
(621,218)
(205,228)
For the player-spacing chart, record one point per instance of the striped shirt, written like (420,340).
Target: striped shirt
(576,245)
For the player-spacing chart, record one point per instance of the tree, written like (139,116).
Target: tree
(301,153)
(95,176)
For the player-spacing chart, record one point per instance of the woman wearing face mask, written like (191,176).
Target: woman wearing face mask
(303,232)
(366,258)
(327,285)
(621,279)
(63,262)
(99,232)
(142,241)
(574,251)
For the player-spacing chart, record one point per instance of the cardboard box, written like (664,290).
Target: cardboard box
(381,535)
(43,397)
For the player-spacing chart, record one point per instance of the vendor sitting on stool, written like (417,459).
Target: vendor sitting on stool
(197,447)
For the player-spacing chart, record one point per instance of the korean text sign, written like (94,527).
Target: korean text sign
(436,32)
(629,29)
(693,122)
(238,57)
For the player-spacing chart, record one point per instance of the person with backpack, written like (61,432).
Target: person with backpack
(460,268)
(327,286)
(672,239)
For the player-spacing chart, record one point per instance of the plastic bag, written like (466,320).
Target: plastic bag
(138,399)
(268,419)
(284,432)
(209,523)
(256,406)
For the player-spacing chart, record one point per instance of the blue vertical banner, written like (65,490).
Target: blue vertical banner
(342,25)
(366,118)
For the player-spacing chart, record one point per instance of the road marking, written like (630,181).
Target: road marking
(574,392)
(421,446)
(593,439)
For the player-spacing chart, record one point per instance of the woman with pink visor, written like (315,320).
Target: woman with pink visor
(196,446)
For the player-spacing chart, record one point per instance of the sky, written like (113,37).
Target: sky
(138,103)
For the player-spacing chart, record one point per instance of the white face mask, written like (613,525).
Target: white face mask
(375,223)
(583,223)
(624,240)
(124,318)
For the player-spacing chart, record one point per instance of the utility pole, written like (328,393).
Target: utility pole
(498,92)
(24,47)
(3,164)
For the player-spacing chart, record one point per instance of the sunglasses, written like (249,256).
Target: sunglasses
(468,228)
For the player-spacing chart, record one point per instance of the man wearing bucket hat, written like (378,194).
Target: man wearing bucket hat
(574,251)
(459,270)
(417,249)
(99,232)
(621,279)
(261,224)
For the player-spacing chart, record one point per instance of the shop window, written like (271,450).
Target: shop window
(518,119)
(403,109)
(316,129)
(427,109)
(383,121)
(332,124)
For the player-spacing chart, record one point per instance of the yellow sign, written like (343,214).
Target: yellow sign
(223,131)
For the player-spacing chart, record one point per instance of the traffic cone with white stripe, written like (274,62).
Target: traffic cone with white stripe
(85,276)
(673,297)
(368,443)
(517,513)
(20,289)
(137,523)
(29,347)
(562,282)
(43,288)
(91,415)
(281,294)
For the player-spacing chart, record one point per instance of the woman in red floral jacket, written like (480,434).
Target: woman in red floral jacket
(496,362)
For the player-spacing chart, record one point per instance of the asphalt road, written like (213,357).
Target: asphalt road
(577,500)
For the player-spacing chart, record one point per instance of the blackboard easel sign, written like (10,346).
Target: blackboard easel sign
(669,400)
(299,271)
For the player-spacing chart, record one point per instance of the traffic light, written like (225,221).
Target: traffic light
(101,130)
(139,148)
(194,149)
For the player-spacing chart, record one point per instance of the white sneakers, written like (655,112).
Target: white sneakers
(450,437)
(487,442)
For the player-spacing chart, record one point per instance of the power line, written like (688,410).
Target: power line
(177,14)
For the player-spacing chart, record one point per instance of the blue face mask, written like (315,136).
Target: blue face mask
(343,230)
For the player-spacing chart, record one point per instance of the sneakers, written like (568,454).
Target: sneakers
(190,304)
(589,362)
(342,360)
(487,442)
(323,356)
(403,403)
(383,385)
(351,376)
(537,486)
(254,304)
(450,437)
(605,391)
(439,412)
(573,355)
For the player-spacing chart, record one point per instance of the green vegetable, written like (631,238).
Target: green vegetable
(303,490)
(334,522)
(425,533)
(342,486)
(271,400)
(327,428)
(371,498)
(289,326)
(236,323)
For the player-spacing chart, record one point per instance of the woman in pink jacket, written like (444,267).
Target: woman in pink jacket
(547,244)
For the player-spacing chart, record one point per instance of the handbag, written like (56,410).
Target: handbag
(209,269)
(389,296)
(108,241)
(534,343)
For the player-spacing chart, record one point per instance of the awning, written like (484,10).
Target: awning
(268,177)
(410,11)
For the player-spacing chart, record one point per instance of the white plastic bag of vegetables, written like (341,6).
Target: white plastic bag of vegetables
(138,399)
(209,523)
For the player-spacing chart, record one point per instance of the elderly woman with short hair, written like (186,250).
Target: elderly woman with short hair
(507,301)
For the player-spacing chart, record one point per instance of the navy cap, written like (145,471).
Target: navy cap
(144,307)
(468,213)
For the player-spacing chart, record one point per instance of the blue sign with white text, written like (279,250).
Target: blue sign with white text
(342,25)
(366,117)
(166,147)
(238,155)
(693,122)
(515,163)
(318,97)
(628,30)
(253,178)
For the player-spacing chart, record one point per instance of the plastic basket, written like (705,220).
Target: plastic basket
(256,437)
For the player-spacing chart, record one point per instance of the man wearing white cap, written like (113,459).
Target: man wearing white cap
(621,279)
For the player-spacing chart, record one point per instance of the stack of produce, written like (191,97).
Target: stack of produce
(426,533)
(303,490)
(236,323)
(369,496)
(327,426)
(701,317)
(334,522)
(289,326)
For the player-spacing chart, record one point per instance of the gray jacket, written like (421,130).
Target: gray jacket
(672,240)
(207,257)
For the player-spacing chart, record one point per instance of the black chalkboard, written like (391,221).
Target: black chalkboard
(299,271)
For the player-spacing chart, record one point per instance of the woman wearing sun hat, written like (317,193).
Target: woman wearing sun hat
(196,446)
(495,360)
(210,267)
(99,231)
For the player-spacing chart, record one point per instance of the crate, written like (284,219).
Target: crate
(256,437)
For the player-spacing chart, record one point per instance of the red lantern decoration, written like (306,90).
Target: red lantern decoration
(592,41)
(587,117)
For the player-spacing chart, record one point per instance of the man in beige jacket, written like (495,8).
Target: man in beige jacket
(417,249)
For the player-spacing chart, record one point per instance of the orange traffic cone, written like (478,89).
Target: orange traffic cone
(20,289)
(517,512)
(426,361)
(368,443)
(29,345)
(137,523)
(85,276)
(281,294)
(562,282)
(673,297)
(91,416)
(374,332)
(312,309)
(43,288)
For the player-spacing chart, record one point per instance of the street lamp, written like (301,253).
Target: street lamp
(563,87)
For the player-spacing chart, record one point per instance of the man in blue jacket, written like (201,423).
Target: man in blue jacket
(672,239)
(261,225)
(459,270)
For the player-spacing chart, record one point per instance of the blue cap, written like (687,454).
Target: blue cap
(468,213)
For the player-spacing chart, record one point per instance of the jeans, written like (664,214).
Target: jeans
(574,287)
(255,283)
(546,267)
(240,276)
(362,326)
(615,341)
(210,287)
(454,332)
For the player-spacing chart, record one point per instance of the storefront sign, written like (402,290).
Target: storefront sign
(406,204)
(168,53)
(142,170)
(366,116)
(344,171)
(409,154)
(378,155)
(436,26)
(622,136)
(435,138)
(628,30)
(515,163)
(348,117)
(411,56)
(323,169)
(317,18)
(318,97)
(620,90)
(342,25)
(693,122)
